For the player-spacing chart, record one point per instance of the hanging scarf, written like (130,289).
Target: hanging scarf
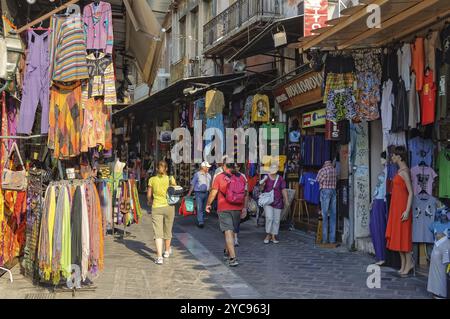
(66,236)
(57,236)
(94,240)
(46,233)
(76,227)
(84,234)
(3,154)
(100,232)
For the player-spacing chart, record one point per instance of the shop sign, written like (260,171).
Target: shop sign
(300,91)
(316,15)
(315,118)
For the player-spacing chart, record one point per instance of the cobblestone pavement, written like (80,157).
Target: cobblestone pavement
(295,268)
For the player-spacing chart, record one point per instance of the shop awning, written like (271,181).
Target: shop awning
(144,38)
(399,19)
(168,95)
(264,43)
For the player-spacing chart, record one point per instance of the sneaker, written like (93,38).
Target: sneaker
(266,241)
(233,262)
(236,242)
(275,241)
(167,253)
(200,225)
(159,261)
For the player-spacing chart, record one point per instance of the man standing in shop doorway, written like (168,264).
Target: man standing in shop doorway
(230,187)
(327,182)
(200,185)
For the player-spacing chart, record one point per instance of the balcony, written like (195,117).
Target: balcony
(237,24)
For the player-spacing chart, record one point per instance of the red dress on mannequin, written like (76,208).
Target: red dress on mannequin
(398,232)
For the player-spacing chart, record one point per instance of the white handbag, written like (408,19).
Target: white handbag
(268,197)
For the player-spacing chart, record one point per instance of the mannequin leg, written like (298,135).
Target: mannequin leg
(409,263)
(403,262)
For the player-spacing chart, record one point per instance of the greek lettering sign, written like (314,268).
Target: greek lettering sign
(315,118)
(316,15)
(300,91)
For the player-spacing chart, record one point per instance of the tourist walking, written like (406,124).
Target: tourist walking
(230,187)
(163,214)
(200,185)
(272,211)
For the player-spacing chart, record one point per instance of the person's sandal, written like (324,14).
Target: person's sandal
(233,262)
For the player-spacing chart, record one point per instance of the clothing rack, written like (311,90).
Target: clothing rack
(20,137)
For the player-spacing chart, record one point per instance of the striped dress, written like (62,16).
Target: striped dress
(68,49)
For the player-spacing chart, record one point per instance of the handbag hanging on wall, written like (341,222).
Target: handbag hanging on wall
(14,180)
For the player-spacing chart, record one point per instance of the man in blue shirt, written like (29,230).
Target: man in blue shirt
(200,185)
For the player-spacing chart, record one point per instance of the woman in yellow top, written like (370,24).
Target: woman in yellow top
(163,214)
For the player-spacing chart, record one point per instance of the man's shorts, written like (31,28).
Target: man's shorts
(229,220)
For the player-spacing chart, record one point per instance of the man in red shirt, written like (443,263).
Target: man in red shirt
(229,214)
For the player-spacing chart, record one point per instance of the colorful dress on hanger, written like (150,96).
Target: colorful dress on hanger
(98,26)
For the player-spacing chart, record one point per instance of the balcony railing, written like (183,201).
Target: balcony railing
(236,16)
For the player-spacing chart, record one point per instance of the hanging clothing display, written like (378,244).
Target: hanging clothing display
(423,210)
(102,82)
(414,104)
(404,64)
(377,226)
(418,62)
(98,26)
(311,189)
(421,150)
(400,115)
(443,83)
(214,103)
(67,49)
(443,164)
(339,96)
(36,85)
(368,76)
(71,231)
(65,120)
(260,108)
(96,129)
(431,44)
(428,99)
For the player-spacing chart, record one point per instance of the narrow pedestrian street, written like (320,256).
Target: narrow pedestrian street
(295,268)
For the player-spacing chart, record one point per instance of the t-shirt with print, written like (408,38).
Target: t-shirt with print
(311,189)
(277,191)
(421,151)
(444,173)
(260,108)
(159,185)
(422,178)
(424,208)
(221,183)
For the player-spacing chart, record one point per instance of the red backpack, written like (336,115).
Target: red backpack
(235,193)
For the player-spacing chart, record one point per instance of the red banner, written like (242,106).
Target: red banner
(316,15)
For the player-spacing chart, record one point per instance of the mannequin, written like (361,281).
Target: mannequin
(327,181)
(399,226)
(378,216)
(437,278)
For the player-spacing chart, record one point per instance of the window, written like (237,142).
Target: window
(194,38)
(182,37)
(208,10)
(169,47)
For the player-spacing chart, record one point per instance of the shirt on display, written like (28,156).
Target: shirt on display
(404,64)
(98,26)
(422,179)
(260,108)
(424,208)
(311,191)
(444,173)
(267,131)
(444,85)
(421,151)
(294,137)
(428,99)
(214,103)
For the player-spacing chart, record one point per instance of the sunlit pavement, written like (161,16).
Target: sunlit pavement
(294,268)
